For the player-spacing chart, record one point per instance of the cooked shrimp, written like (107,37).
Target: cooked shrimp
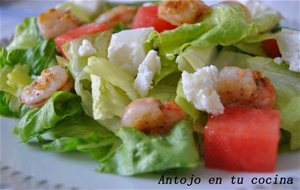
(55,22)
(178,12)
(151,116)
(40,90)
(121,13)
(243,87)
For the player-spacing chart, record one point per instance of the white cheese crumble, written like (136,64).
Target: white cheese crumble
(289,46)
(278,60)
(200,89)
(86,48)
(126,48)
(146,71)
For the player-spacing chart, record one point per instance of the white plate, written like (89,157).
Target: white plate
(28,167)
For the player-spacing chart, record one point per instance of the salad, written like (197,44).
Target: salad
(156,86)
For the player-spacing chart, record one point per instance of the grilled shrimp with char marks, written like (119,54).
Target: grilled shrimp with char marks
(243,87)
(151,116)
(40,90)
(55,22)
(178,12)
(121,13)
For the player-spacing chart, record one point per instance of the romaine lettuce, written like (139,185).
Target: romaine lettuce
(264,17)
(37,121)
(17,66)
(195,58)
(9,105)
(12,80)
(113,74)
(141,153)
(219,28)
(83,88)
(108,100)
(112,89)
(84,134)
(26,35)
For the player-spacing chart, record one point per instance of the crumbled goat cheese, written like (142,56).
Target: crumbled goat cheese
(86,48)
(146,71)
(278,60)
(289,46)
(199,88)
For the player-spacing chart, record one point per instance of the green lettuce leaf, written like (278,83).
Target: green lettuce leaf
(112,90)
(226,25)
(26,35)
(83,84)
(113,74)
(9,105)
(194,58)
(165,90)
(4,71)
(83,134)
(18,78)
(140,153)
(108,101)
(38,57)
(264,17)
(285,82)
(169,43)
(37,121)
(17,68)
(187,107)
(251,48)
(12,80)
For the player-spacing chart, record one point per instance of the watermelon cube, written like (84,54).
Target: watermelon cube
(242,139)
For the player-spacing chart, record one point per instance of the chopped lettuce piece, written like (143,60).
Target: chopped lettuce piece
(264,17)
(195,58)
(168,67)
(219,28)
(37,121)
(141,153)
(19,77)
(83,134)
(251,48)
(38,57)
(9,105)
(169,43)
(165,90)
(113,74)
(290,119)
(12,80)
(108,101)
(83,84)
(4,71)
(225,31)
(187,106)
(26,35)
